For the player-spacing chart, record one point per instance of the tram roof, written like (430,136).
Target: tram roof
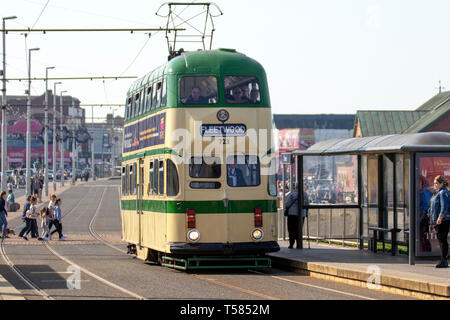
(209,62)
(416,142)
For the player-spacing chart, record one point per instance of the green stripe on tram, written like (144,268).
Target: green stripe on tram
(150,153)
(202,207)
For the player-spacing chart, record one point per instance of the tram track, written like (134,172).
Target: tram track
(215,280)
(229,285)
(30,283)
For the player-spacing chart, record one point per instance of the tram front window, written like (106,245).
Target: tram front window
(242,90)
(243,171)
(198,90)
(200,167)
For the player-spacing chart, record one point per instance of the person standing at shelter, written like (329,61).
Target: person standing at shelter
(3,214)
(292,212)
(440,216)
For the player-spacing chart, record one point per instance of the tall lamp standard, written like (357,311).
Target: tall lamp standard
(4,131)
(54,135)
(61,142)
(28,161)
(46,133)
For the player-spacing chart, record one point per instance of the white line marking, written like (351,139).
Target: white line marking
(93,275)
(314,286)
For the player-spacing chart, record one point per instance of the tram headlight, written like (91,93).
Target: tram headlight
(193,235)
(257,234)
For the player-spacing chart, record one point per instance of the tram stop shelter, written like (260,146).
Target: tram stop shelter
(373,191)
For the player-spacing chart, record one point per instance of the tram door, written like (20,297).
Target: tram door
(139,196)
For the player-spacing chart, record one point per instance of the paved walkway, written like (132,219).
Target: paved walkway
(8,291)
(348,264)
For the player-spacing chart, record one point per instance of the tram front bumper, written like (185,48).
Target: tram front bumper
(239,248)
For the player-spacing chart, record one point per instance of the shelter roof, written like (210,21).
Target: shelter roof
(413,142)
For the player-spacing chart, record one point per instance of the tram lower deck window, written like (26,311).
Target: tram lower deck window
(243,171)
(201,167)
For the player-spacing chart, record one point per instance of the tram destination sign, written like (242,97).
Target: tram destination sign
(223,130)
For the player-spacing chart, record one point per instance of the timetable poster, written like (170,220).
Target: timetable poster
(145,133)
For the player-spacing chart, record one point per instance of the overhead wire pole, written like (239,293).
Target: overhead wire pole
(46,134)
(4,124)
(61,140)
(28,140)
(54,135)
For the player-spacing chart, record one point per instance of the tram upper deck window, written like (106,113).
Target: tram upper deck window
(198,90)
(243,171)
(148,97)
(128,109)
(156,100)
(242,90)
(200,167)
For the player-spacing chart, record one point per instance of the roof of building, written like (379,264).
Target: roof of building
(435,101)
(314,121)
(434,114)
(375,123)
(425,141)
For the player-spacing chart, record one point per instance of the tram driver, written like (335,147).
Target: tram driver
(235,178)
(195,97)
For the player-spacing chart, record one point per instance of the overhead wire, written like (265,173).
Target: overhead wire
(42,11)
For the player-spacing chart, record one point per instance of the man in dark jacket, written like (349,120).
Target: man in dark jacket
(292,208)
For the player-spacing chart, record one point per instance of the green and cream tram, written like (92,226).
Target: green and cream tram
(197,190)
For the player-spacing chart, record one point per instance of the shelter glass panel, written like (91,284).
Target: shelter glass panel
(242,90)
(331,179)
(198,90)
(372,184)
(364,196)
(400,192)
(388,196)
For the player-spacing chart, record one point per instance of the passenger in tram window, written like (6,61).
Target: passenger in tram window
(254,96)
(237,96)
(196,97)
(245,93)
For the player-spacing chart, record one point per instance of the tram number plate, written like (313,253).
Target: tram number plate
(223,130)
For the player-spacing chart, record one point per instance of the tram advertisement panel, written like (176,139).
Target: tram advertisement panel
(429,168)
(145,133)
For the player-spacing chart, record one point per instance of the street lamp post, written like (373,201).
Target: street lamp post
(46,133)
(61,142)
(54,135)
(4,128)
(28,160)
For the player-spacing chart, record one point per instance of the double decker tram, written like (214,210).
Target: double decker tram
(198,190)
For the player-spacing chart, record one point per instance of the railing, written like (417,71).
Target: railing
(332,223)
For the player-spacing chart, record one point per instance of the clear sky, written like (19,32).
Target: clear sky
(321,56)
